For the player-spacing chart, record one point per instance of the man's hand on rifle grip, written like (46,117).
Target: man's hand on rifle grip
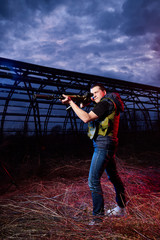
(66,99)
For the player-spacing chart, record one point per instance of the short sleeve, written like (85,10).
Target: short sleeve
(103,108)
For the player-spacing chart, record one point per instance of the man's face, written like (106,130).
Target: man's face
(98,94)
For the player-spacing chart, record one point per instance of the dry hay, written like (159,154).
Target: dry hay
(60,207)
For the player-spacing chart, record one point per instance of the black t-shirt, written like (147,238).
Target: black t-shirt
(103,108)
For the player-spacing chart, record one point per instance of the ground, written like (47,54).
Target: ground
(54,202)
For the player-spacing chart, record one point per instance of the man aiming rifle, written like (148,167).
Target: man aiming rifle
(103,121)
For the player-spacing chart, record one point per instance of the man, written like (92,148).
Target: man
(103,122)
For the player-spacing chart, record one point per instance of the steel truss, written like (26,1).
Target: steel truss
(19,111)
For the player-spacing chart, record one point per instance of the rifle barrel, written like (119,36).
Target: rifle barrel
(77,98)
(48,97)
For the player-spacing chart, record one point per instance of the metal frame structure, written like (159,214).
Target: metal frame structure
(19,111)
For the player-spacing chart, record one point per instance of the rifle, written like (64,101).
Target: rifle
(85,99)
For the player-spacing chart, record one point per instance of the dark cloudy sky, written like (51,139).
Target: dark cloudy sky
(112,38)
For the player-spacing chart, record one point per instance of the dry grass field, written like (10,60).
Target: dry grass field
(54,202)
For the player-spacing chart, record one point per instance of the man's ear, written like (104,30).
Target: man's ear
(105,92)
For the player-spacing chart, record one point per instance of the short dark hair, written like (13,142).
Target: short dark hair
(100,85)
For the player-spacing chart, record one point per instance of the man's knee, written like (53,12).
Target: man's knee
(90,183)
(94,184)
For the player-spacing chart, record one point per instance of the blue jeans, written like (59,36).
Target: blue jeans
(104,160)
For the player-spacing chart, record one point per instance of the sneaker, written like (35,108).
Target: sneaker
(117,212)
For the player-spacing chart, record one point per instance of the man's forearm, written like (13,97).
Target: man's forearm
(84,116)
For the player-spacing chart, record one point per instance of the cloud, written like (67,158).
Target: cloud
(24,9)
(140,17)
(114,38)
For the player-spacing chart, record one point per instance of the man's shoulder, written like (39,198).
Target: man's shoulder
(106,100)
(115,97)
(103,107)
